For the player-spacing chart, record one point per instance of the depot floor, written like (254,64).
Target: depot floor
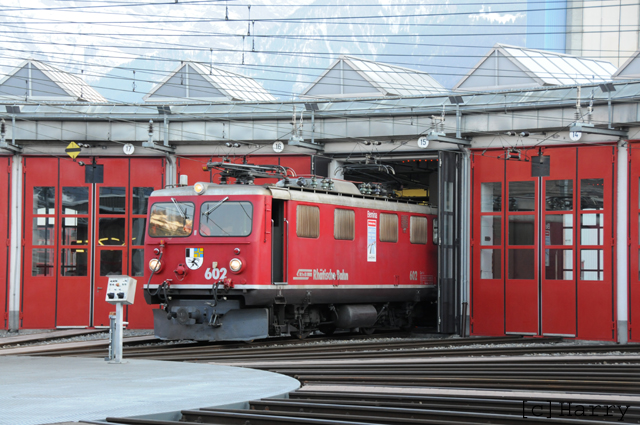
(46,390)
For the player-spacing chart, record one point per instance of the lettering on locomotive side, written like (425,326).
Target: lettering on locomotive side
(321,274)
(372,214)
(303,274)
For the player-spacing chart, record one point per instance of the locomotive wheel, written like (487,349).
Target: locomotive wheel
(327,329)
(367,331)
(301,335)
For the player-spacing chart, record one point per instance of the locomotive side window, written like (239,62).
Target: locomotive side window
(221,219)
(419,230)
(171,219)
(388,227)
(307,221)
(344,224)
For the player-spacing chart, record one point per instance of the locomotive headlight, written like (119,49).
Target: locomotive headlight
(235,265)
(155,265)
(199,188)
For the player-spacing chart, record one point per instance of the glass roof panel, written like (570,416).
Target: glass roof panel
(193,109)
(481,99)
(124,109)
(583,74)
(600,73)
(566,70)
(551,71)
(625,90)
(533,61)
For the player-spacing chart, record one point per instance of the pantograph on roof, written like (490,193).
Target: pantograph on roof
(354,77)
(193,81)
(515,67)
(33,80)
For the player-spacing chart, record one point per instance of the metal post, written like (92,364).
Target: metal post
(313,126)
(117,340)
(112,331)
(465,239)
(15,245)
(622,249)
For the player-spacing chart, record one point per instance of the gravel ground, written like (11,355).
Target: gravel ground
(312,342)
(79,338)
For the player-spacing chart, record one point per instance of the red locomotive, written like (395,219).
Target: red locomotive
(243,261)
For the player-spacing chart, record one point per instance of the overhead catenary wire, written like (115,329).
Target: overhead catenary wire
(314,55)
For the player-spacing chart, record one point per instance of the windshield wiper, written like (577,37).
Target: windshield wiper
(182,213)
(210,210)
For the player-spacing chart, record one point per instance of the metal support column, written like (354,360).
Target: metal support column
(622,247)
(15,256)
(465,239)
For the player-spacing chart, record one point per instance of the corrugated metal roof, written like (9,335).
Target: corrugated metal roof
(71,84)
(387,80)
(233,86)
(542,67)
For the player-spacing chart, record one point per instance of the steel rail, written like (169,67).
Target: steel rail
(292,347)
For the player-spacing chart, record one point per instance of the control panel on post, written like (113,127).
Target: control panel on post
(121,290)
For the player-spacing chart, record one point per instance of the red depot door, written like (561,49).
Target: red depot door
(110,243)
(521,242)
(557,264)
(596,293)
(146,175)
(5,229)
(558,274)
(487,289)
(39,272)
(74,248)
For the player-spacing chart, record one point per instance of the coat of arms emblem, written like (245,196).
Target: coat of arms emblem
(194,258)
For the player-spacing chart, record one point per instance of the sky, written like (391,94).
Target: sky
(123,47)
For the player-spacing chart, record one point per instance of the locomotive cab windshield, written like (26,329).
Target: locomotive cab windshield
(231,218)
(170,219)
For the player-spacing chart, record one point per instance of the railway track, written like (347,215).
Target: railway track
(368,380)
(328,349)
(326,408)
(276,349)
(464,381)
